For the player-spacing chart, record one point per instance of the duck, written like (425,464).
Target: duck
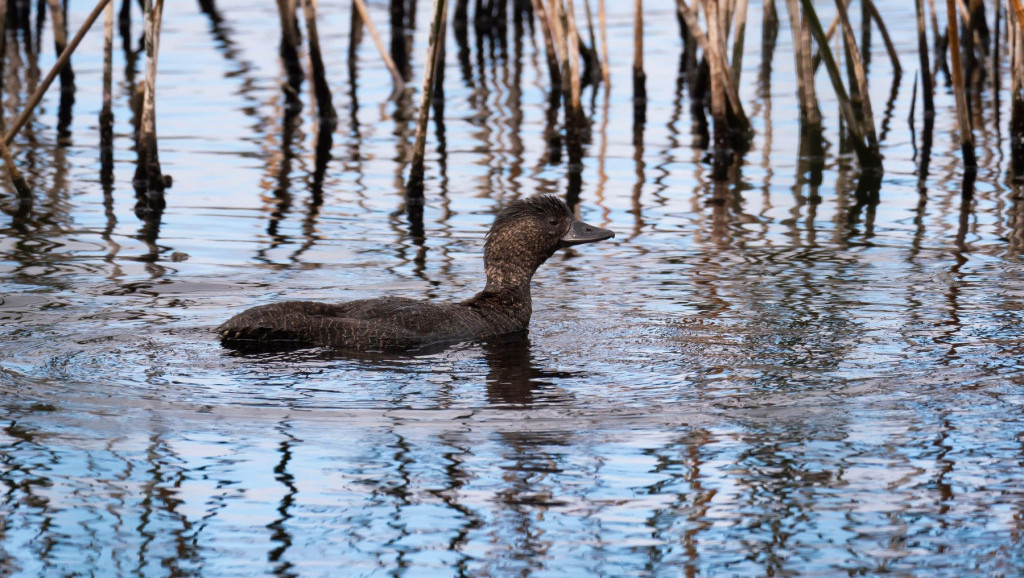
(523,236)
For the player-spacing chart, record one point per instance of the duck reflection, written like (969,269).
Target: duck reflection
(514,378)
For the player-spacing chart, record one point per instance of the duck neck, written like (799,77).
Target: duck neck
(508,290)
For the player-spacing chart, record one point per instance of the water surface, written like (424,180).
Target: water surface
(784,373)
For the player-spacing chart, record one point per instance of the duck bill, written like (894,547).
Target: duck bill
(580,232)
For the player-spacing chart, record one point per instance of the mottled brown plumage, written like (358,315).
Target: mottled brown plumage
(522,237)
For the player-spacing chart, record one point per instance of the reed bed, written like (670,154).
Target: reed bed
(713,33)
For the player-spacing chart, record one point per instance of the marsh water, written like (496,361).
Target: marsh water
(784,373)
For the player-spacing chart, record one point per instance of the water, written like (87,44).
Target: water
(776,375)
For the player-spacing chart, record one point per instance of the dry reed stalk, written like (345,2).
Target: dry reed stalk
(732,96)
(937,37)
(65,56)
(1018,12)
(560,42)
(414,188)
(106,119)
(1015,39)
(569,18)
(740,24)
(868,118)
(289,47)
(639,77)
(399,46)
(605,64)
(550,51)
(715,47)
(320,88)
(60,40)
(106,115)
(593,38)
(20,185)
(3,38)
(148,175)
(568,41)
(889,47)
(828,34)
(963,117)
(396,76)
(867,155)
(810,113)
(927,86)
(961,7)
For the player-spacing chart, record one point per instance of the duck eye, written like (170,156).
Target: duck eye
(552,221)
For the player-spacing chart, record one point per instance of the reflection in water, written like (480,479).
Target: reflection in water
(280,533)
(513,378)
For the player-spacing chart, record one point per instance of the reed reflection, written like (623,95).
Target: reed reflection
(680,466)
(281,535)
(783,464)
(281,195)
(25,479)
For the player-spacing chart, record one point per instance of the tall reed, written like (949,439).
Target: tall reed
(550,51)
(927,85)
(20,185)
(414,186)
(865,115)
(64,58)
(60,42)
(321,90)
(639,76)
(106,119)
(289,46)
(1015,37)
(810,113)
(735,118)
(963,116)
(398,81)
(149,180)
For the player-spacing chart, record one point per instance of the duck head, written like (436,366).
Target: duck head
(526,233)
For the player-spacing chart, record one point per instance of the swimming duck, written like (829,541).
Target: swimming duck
(523,236)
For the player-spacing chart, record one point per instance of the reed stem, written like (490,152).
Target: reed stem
(740,24)
(866,154)
(60,41)
(927,86)
(65,56)
(639,77)
(597,75)
(106,119)
(550,50)
(569,20)
(320,88)
(1015,38)
(867,118)
(414,188)
(741,123)
(605,63)
(289,47)
(715,45)
(963,116)
(810,113)
(890,48)
(396,76)
(106,114)
(148,176)
(20,185)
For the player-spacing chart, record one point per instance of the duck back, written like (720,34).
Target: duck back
(381,324)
